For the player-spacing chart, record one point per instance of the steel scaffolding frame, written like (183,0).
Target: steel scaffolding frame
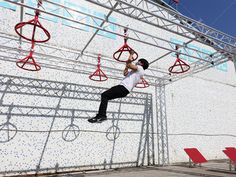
(162,131)
(157,15)
(134,34)
(146,146)
(146,11)
(51,88)
(65,59)
(150,133)
(14,85)
(164,18)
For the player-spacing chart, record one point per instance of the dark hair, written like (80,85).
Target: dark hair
(144,62)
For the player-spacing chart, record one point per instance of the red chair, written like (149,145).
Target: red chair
(230,148)
(195,156)
(230,152)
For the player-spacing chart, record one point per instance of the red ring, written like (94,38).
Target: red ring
(142,84)
(21,24)
(124,48)
(25,61)
(100,74)
(181,64)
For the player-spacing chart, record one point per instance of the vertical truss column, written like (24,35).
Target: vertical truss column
(146,143)
(143,137)
(150,132)
(162,133)
(142,142)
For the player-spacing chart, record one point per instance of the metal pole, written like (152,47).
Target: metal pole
(21,19)
(90,40)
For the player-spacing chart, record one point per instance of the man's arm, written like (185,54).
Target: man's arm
(132,66)
(126,71)
(129,62)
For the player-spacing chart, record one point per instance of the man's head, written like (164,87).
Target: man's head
(144,63)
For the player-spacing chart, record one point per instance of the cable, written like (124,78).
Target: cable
(124,132)
(223,12)
(194,16)
(199,134)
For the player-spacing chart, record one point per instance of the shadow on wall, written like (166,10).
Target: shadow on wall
(61,119)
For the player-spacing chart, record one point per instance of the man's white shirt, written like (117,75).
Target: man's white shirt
(132,78)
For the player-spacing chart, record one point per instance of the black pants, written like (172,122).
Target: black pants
(117,91)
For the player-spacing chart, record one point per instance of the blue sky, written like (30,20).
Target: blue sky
(219,14)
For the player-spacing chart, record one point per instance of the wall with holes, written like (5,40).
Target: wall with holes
(43,114)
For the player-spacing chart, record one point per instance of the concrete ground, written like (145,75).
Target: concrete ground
(210,169)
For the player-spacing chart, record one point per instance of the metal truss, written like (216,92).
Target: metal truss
(146,144)
(65,59)
(196,67)
(28,87)
(143,140)
(157,16)
(134,34)
(61,58)
(162,133)
(48,112)
(19,85)
(150,133)
(96,32)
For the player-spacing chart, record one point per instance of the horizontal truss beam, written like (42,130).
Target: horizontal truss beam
(49,112)
(19,85)
(65,59)
(159,16)
(134,34)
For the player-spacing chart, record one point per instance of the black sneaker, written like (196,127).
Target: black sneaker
(97,119)
(100,119)
(92,120)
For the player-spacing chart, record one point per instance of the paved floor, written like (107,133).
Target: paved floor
(219,169)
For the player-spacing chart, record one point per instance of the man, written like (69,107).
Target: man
(124,88)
